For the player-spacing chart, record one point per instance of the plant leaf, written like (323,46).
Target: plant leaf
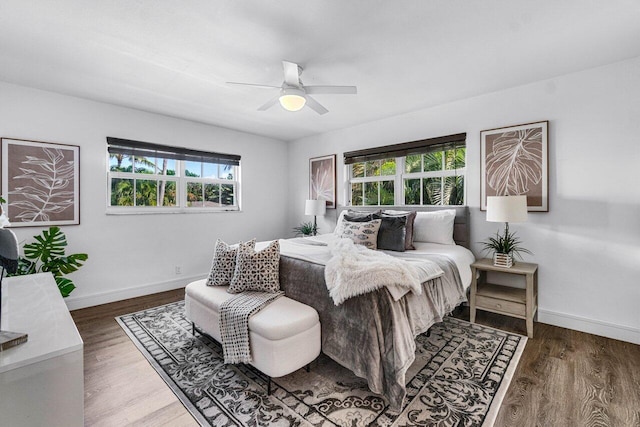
(515,162)
(65,285)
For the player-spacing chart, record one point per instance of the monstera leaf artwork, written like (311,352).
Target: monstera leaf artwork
(514,162)
(41,181)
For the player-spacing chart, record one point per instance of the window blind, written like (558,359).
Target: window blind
(147,149)
(406,148)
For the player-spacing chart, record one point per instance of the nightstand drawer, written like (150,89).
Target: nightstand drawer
(502,306)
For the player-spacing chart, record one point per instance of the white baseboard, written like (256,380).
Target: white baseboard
(590,326)
(565,320)
(75,303)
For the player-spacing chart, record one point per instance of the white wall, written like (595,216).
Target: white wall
(131,255)
(588,245)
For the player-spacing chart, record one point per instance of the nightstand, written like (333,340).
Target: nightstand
(514,302)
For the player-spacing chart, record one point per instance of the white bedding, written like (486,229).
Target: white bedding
(462,256)
(314,249)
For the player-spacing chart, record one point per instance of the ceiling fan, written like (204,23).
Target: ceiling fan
(294,95)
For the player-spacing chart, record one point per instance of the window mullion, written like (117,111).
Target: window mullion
(183,184)
(398,185)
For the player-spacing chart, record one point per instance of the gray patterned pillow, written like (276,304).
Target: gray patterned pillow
(257,271)
(362,233)
(223,266)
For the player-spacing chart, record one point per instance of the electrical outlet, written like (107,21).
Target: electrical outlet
(178,269)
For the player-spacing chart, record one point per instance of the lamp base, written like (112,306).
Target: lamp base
(12,339)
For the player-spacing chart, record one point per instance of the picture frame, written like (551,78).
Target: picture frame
(514,160)
(322,179)
(40,182)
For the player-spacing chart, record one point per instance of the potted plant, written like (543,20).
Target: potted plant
(47,254)
(306,229)
(504,248)
(4,221)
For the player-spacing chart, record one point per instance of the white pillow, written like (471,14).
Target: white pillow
(434,227)
(339,226)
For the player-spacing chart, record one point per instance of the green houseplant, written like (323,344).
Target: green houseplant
(508,244)
(47,254)
(306,229)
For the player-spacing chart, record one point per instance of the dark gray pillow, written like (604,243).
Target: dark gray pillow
(392,233)
(360,217)
(411,217)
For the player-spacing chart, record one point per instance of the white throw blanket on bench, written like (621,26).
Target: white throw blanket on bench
(355,270)
(234,323)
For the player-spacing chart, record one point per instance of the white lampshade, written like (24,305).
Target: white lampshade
(292,99)
(315,207)
(507,208)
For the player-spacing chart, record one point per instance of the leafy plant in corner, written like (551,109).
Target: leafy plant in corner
(306,229)
(47,254)
(508,244)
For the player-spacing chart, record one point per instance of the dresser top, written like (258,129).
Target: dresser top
(33,304)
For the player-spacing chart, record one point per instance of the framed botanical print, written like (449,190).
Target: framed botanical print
(515,161)
(41,182)
(322,179)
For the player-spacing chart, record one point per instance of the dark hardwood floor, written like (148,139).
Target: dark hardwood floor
(565,378)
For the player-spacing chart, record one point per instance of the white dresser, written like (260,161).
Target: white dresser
(42,380)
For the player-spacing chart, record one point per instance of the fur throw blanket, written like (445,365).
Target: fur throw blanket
(355,270)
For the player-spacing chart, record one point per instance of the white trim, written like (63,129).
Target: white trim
(590,326)
(75,303)
(181,182)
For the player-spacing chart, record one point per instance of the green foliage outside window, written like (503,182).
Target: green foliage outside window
(154,192)
(425,190)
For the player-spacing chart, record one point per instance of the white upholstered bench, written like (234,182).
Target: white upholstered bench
(284,336)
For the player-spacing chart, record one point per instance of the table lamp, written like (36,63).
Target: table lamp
(506,209)
(315,208)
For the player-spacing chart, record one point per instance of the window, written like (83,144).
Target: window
(427,172)
(372,182)
(145,177)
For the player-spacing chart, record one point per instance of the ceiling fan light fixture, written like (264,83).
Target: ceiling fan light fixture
(292,99)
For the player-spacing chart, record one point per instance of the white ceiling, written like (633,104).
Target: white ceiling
(174,58)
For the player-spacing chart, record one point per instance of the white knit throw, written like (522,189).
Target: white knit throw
(234,323)
(355,270)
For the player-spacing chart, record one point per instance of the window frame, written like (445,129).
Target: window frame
(181,189)
(401,175)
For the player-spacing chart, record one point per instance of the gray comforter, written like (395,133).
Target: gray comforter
(371,334)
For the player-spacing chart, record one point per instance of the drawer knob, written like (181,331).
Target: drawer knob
(499,305)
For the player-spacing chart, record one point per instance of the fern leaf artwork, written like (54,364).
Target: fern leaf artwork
(322,179)
(321,185)
(43,183)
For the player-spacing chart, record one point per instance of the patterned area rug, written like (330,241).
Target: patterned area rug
(459,378)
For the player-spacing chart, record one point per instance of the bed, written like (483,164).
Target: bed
(373,334)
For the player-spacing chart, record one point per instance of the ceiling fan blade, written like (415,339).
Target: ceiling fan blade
(270,103)
(336,90)
(291,73)
(315,106)
(253,85)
